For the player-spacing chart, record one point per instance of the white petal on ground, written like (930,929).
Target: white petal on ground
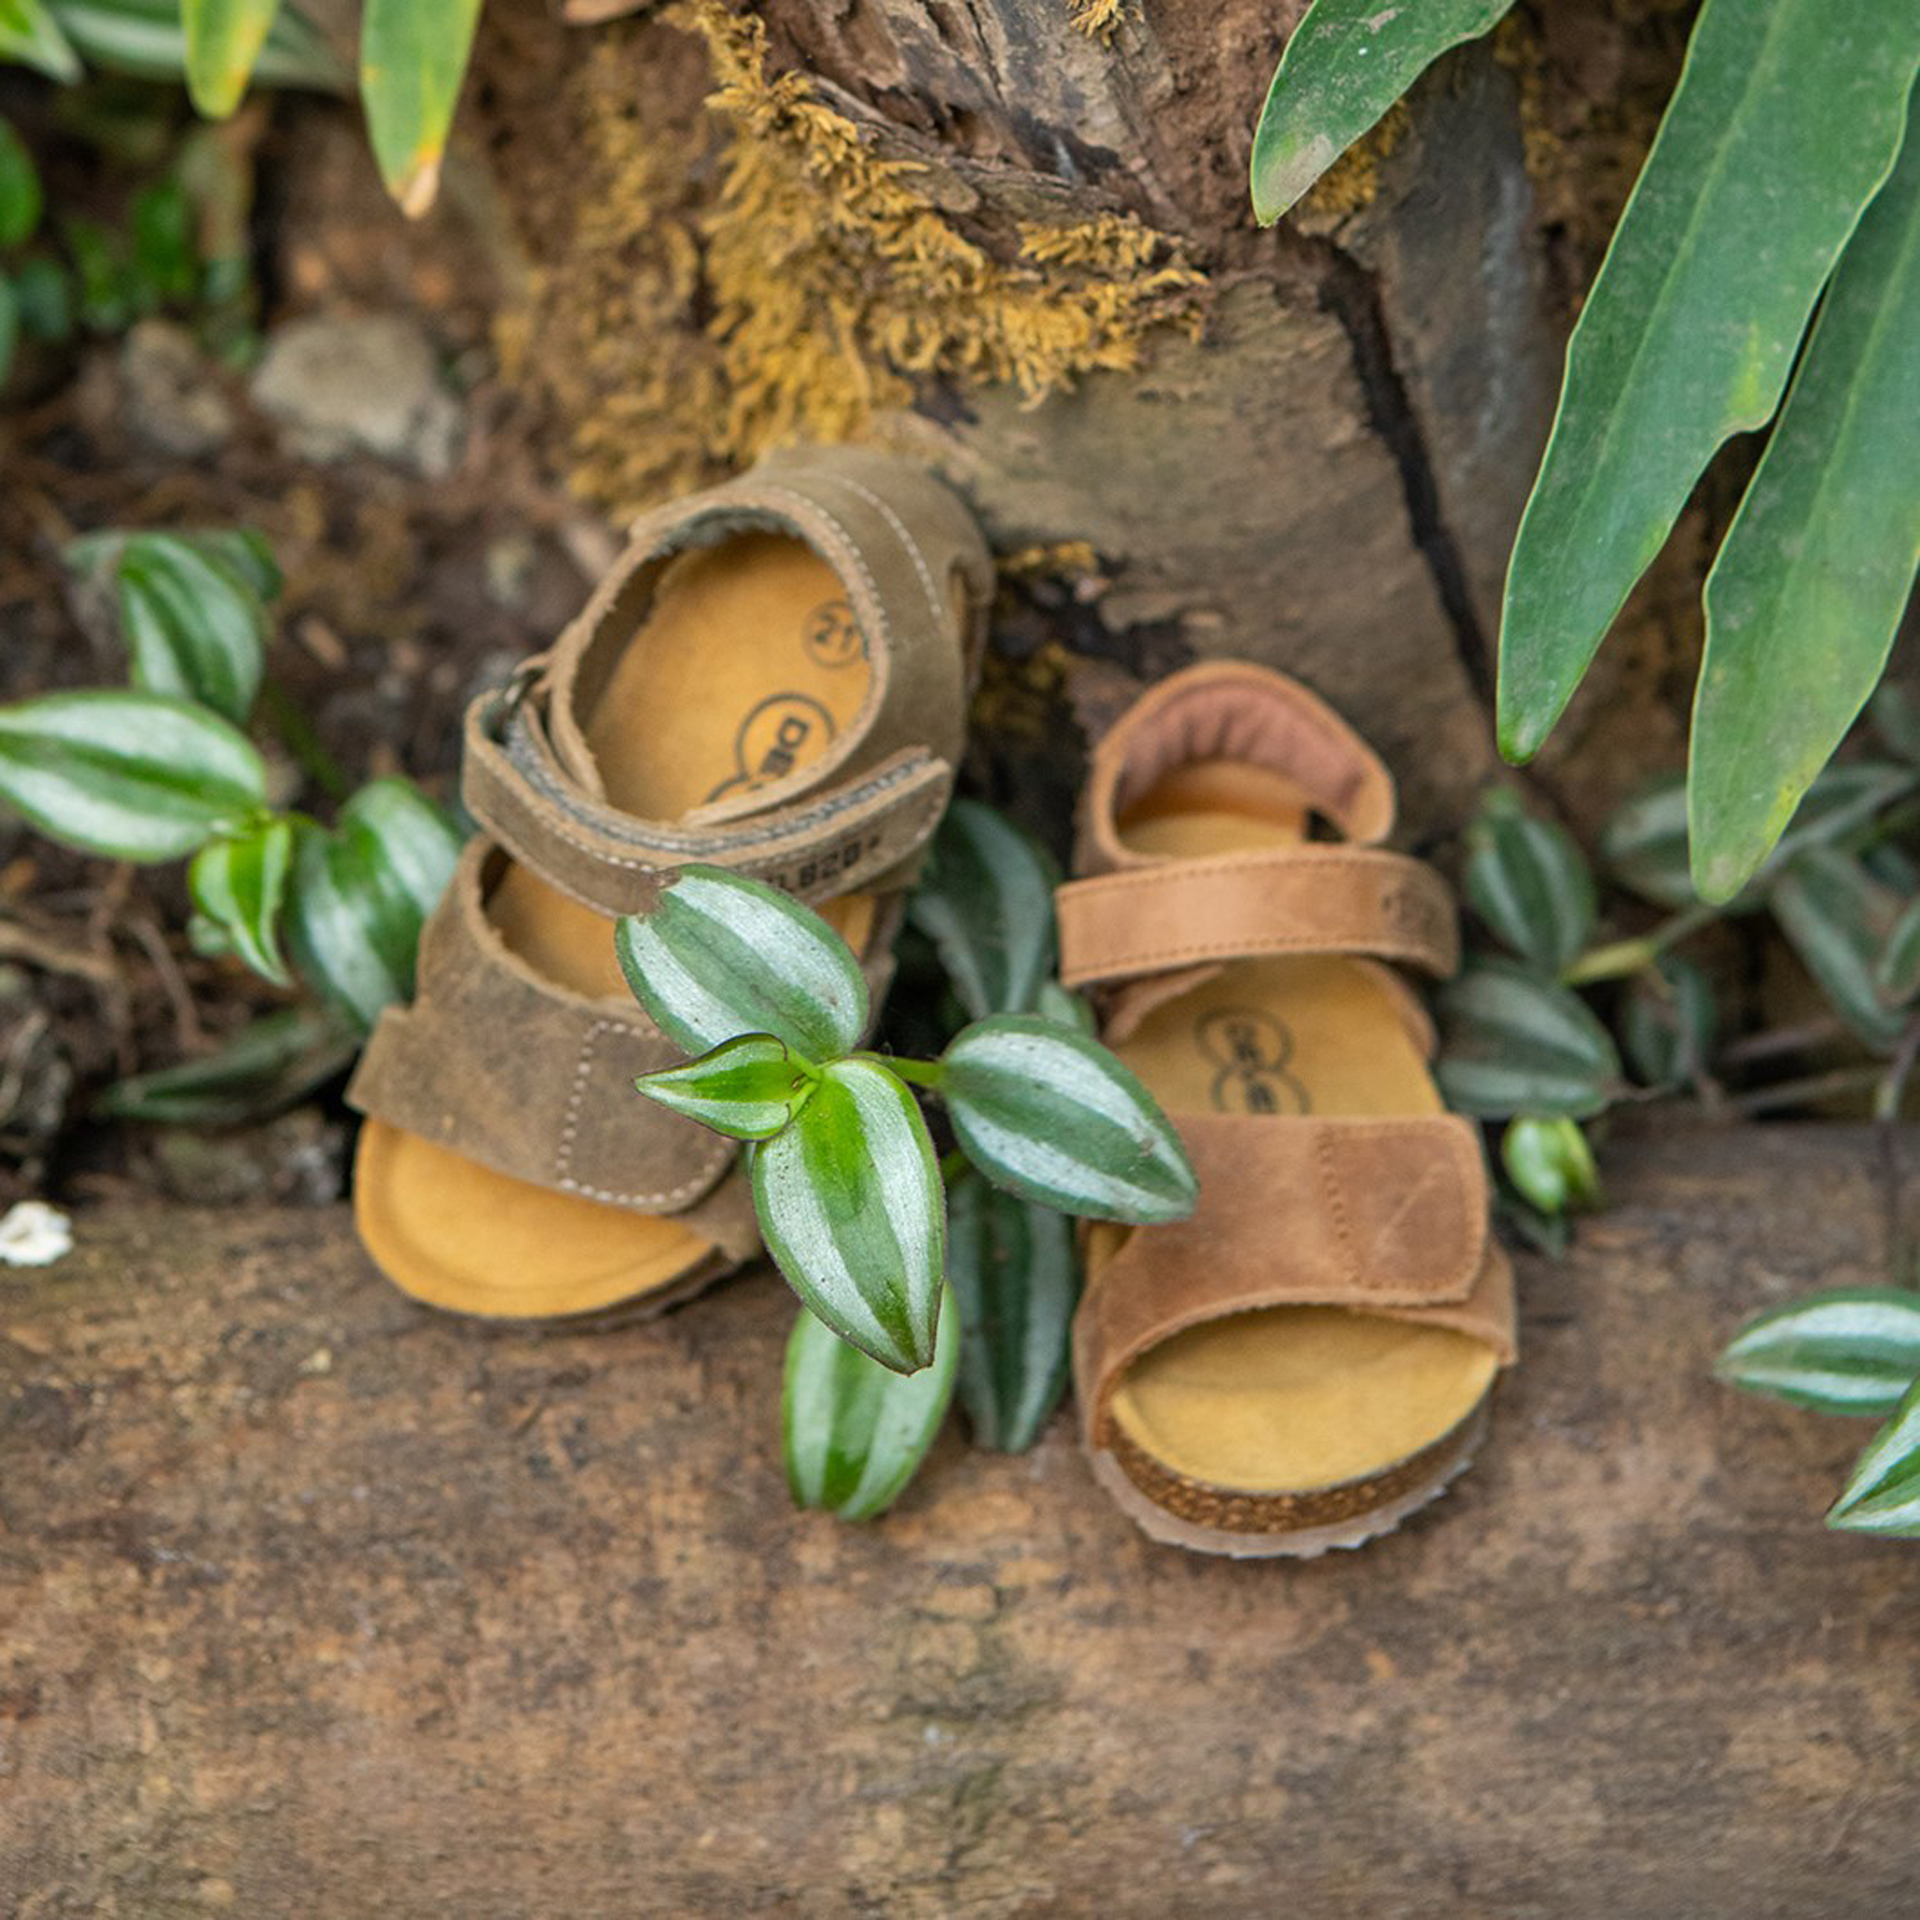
(33,1234)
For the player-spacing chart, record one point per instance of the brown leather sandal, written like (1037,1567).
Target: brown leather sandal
(1307,1359)
(773,677)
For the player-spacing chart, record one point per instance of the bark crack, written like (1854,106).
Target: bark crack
(1351,295)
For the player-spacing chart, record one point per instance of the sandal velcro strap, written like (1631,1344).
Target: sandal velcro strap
(1178,914)
(825,843)
(506,1067)
(1386,1216)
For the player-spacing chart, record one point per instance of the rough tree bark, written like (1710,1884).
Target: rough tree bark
(314,1603)
(1323,469)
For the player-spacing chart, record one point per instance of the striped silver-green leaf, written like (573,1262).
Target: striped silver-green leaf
(1669,1021)
(985,900)
(1012,1269)
(1896,974)
(1513,1042)
(1811,580)
(131,775)
(1786,119)
(1346,63)
(1838,918)
(1883,1495)
(361,895)
(239,882)
(1644,845)
(1054,1117)
(1850,1350)
(747,1089)
(719,955)
(854,1432)
(267,1067)
(31,36)
(195,627)
(1529,881)
(852,1211)
(146,38)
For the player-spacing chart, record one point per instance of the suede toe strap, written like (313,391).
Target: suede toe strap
(1379,1215)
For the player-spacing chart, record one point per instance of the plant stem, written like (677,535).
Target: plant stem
(1624,957)
(916,1073)
(1817,1086)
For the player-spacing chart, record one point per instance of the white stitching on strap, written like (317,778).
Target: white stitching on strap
(570,1127)
(853,549)
(906,540)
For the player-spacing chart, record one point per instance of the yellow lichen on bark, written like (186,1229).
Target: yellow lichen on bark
(685,327)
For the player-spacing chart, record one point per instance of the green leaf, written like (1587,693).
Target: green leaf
(719,955)
(1805,597)
(133,776)
(855,1432)
(1054,1117)
(1838,918)
(224,38)
(852,1211)
(267,1067)
(1347,62)
(986,903)
(44,297)
(1512,1042)
(1883,1496)
(1668,1022)
(1529,881)
(145,38)
(361,895)
(241,550)
(1896,974)
(1012,1270)
(105,299)
(20,198)
(30,36)
(413,57)
(9,326)
(1851,1350)
(1786,119)
(1644,845)
(1055,1002)
(194,626)
(1550,1164)
(747,1089)
(163,255)
(239,883)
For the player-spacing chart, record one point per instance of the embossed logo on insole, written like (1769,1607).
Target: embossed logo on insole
(832,636)
(775,736)
(1252,1050)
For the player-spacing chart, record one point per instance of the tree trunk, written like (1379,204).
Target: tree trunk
(1026,250)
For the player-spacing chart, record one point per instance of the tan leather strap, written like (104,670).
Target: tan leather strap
(840,841)
(1386,1216)
(503,1066)
(919,585)
(1241,906)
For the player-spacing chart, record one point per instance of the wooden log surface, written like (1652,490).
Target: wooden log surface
(314,1603)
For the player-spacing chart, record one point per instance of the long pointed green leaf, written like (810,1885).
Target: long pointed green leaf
(1851,1350)
(1012,1270)
(224,38)
(853,1431)
(31,36)
(719,955)
(145,38)
(239,883)
(1787,117)
(413,57)
(986,903)
(1054,1117)
(1807,592)
(134,776)
(194,626)
(852,1211)
(747,1089)
(1883,1495)
(1347,62)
